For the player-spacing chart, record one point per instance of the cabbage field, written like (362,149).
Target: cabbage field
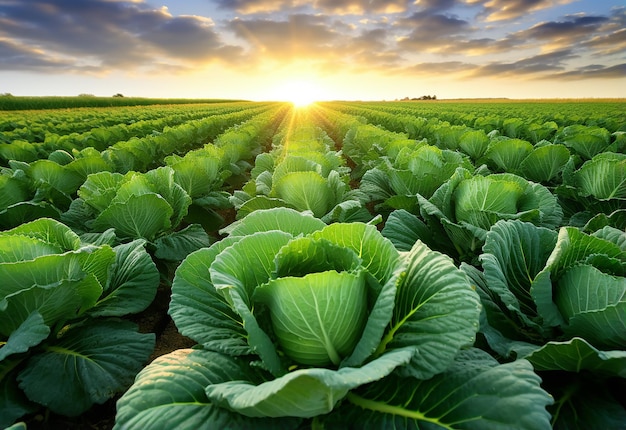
(345,265)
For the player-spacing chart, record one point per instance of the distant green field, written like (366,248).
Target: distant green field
(59,102)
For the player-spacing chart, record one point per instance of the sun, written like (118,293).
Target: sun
(299,92)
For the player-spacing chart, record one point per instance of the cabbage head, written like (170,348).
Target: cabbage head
(299,323)
(558,299)
(461,211)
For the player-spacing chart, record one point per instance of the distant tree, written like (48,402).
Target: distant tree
(6,95)
(118,95)
(86,95)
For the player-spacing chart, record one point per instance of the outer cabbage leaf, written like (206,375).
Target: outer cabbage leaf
(577,355)
(60,296)
(15,248)
(31,332)
(12,191)
(260,203)
(62,179)
(603,177)
(474,143)
(88,364)
(436,310)
(196,174)
(176,245)
(170,393)
(475,392)
(237,271)
(593,305)
(24,212)
(378,254)
(403,229)
(573,247)
(544,163)
(303,393)
(133,282)
(49,231)
(284,219)
(13,403)
(200,311)
(481,201)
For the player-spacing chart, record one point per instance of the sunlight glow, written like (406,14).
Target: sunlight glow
(299,92)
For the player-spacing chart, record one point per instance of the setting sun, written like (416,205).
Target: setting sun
(299,92)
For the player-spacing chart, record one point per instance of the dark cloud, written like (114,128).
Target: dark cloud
(608,44)
(113,34)
(553,35)
(611,37)
(537,65)
(594,71)
(531,67)
(20,58)
(432,6)
(574,27)
(432,32)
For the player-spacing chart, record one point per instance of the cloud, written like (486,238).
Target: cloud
(594,71)
(534,66)
(608,44)
(337,7)
(17,57)
(570,31)
(611,39)
(440,68)
(432,32)
(113,34)
(297,37)
(505,10)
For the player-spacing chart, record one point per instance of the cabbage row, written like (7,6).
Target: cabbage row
(67,282)
(377,266)
(47,187)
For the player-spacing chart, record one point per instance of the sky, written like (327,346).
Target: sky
(319,49)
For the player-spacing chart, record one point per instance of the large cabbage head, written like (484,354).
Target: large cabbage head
(297,320)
